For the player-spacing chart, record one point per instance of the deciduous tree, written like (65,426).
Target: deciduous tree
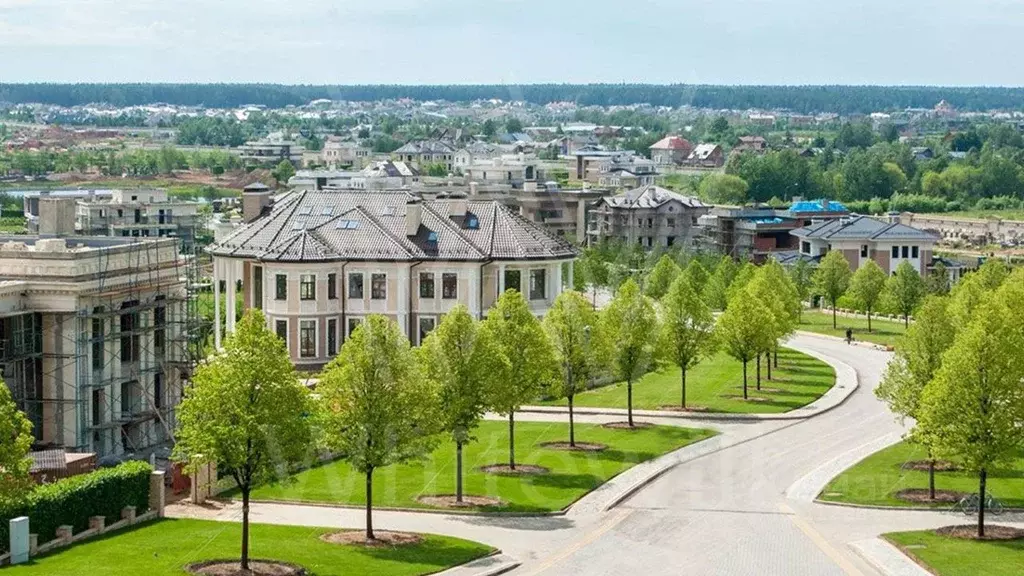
(247,412)
(578,338)
(15,443)
(867,285)
(742,330)
(463,361)
(904,290)
(831,279)
(800,275)
(379,409)
(530,364)
(687,328)
(631,326)
(661,277)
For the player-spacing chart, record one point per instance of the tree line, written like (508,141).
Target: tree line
(804,99)
(115,162)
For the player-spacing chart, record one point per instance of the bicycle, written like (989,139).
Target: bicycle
(969,505)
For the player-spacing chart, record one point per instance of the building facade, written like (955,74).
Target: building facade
(138,213)
(650,216)
(321,261)
(422,153)
(861,238)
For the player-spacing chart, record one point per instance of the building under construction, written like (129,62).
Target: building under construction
(97,335)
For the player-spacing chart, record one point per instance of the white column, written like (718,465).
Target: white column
(558,279)
(474,292)
(572,284)
(232,278)
(402,307)
(501,280)
(216,303)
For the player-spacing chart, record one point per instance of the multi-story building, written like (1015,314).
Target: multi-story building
(514,170)
(321,261)
(474,153)
(561,211)
(137,213)
(754,232)
(707,156)
(650,216)
(613,168)
(270,152)
(422,153)
(337,154)
(94,338)
(671,151)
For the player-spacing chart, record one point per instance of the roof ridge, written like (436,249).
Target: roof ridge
(295,204)
(383,229)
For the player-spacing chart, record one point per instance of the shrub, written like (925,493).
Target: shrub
(74,500)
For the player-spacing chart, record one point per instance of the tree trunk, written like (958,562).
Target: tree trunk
(758,371)
(776,353)
(744,379)
(906,320)
(931,478)
(834,324)
(511,440)
(768,364)
(683,403)
(869,319)
(629,401)
(572,426)
(981,504)
(245,528)
(458,472)
(369,505)
(595,296)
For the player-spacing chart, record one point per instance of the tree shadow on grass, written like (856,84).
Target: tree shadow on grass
(565,481)
(432,551)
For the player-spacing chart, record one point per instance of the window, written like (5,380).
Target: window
(427,325)
(864,251)
(158,390)
(353,323)
(307,287)
(281,292)
(355,285)
(670,241)
(97,407)
(513,280)
(257,287)
(378,286)
(427,285)
(449,286)
(538,285)
(332,336)
(129,336)
(98,351)
(281,328)
(671,222)
(805,247)
(895,251)
(914,252)
(906,251)
(332,286)
(307,338)
(650,222)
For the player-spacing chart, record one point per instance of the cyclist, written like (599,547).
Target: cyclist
(849,335)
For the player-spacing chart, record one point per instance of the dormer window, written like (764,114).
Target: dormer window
(472,222)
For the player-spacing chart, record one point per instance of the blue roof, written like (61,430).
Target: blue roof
(817,206)
(767,220)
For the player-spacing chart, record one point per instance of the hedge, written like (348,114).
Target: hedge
(74,500)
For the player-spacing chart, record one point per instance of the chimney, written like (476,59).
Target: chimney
(458,204)
(56,216)
(413,216)
(255,198)
(474,189)
(824,205)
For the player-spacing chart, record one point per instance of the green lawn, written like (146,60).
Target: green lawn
(883,331)
(164,548)
(956,557)
(573,474)
(878,477)
(717,384)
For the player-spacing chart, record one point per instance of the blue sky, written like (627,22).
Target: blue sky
(941,42)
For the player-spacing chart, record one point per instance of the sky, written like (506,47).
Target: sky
(940,42)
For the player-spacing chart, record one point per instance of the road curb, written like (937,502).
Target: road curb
(861,343)
(438,511)
(507,565)
(905,508)
(887,558)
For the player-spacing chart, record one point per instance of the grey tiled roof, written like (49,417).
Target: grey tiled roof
(650,196)
(329,225)
(862,228)
(425,147)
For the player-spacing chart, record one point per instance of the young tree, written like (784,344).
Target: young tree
(777,291)
(800,275)
(246,411)
(938,280)
(595,270)
(831,279)
(688,324)
(867,285)
(904,290)
(530,363)
(661,277)
(462,361)
(743,277)
(717,292)
(741,330)
(15,443)
(631,324)
(917,359)
(974,406)
(697,276)
(575,331)
(283,172)
(379,409)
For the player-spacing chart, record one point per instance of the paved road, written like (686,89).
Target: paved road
(728,512)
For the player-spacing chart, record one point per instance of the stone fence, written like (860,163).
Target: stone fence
(25,544)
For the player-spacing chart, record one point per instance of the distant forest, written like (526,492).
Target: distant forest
(801,99)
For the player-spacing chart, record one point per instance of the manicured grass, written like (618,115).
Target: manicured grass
(573,474)
(717,384)
(877,478)
(883,331)
(956,557)
(164,548)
